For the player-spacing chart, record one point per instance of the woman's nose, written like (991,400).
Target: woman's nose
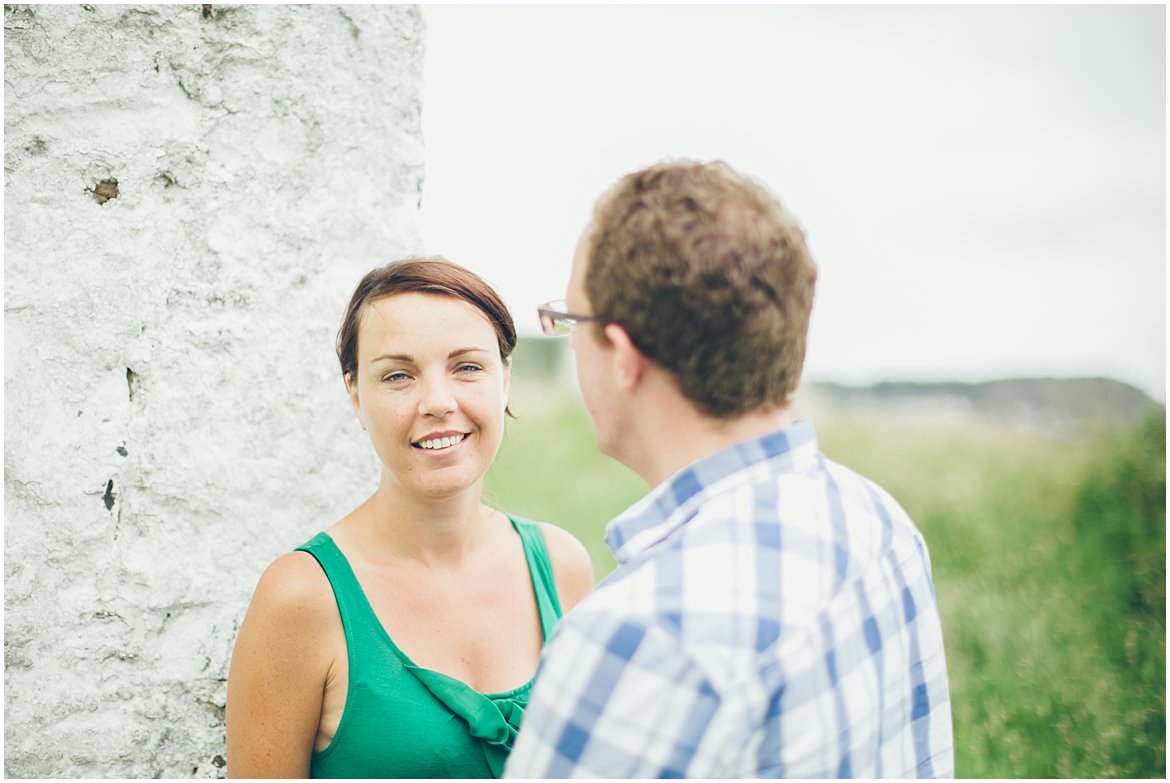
(438,398)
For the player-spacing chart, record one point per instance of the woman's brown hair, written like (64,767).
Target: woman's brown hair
(431,275)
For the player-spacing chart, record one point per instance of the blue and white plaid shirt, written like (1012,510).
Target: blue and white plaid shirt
(772,615)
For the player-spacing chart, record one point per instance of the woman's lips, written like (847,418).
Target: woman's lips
(440,442)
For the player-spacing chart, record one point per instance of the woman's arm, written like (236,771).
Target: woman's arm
(572,568)
(282,657)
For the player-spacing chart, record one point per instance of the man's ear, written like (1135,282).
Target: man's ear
(629,363)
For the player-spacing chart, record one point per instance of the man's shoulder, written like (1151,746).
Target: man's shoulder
(850,482)
(774,547)
(756,557)
(874,523)
(826,502)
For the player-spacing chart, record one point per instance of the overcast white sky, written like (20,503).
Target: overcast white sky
(983,187)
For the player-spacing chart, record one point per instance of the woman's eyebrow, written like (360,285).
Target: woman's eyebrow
(398,357)
(461,351)
(402,357)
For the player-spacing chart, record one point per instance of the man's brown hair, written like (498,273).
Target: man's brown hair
(711,279)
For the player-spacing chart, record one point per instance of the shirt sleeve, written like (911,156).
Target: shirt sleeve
(615,697)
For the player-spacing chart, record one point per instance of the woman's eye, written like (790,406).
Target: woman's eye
(469,368)
(395,377)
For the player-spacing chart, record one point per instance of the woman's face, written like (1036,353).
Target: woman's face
(431,389)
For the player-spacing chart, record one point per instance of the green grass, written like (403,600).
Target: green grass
(1048,556)
(1049,563)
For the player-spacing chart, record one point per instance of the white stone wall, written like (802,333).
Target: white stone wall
(174,415)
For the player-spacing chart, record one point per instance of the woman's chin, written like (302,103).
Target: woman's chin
(445,483)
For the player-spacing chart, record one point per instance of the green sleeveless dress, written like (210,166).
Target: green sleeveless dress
(403,721)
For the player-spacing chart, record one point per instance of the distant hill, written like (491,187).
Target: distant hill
(1054,405)
(1049,404)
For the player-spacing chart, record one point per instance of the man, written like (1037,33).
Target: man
(772,613)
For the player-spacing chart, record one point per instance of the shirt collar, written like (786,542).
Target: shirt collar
(672,502)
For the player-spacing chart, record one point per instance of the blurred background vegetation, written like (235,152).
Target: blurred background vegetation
(1043,504)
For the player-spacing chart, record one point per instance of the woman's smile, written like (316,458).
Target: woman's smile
(440,443)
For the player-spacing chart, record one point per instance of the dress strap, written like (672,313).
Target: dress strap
(351,601)
(544,585)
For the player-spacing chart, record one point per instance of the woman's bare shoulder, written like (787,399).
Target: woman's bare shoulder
(571,565)
(294,587)
(290,638)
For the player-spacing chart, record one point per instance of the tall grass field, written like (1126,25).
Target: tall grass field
(1049,560)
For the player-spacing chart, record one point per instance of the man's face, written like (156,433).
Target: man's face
(593,356)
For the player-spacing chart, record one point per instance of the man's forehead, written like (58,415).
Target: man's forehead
(583,241)
(575,292)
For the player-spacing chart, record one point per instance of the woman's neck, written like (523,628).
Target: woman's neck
(436,532)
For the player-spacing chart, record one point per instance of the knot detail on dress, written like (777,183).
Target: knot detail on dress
(494,721)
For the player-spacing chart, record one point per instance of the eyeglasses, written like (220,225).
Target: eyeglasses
(556,321)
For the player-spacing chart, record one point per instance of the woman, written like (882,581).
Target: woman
(402,642)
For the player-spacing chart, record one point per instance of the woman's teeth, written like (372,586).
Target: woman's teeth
(440,443)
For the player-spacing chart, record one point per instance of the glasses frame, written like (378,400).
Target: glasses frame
(553,312)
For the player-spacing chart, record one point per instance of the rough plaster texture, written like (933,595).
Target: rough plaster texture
(174,415)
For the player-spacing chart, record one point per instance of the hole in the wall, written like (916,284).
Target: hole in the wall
(108,498)
(122,451)
(131,382)
(19,18)
(219,761)
(105,190)
(37,146)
